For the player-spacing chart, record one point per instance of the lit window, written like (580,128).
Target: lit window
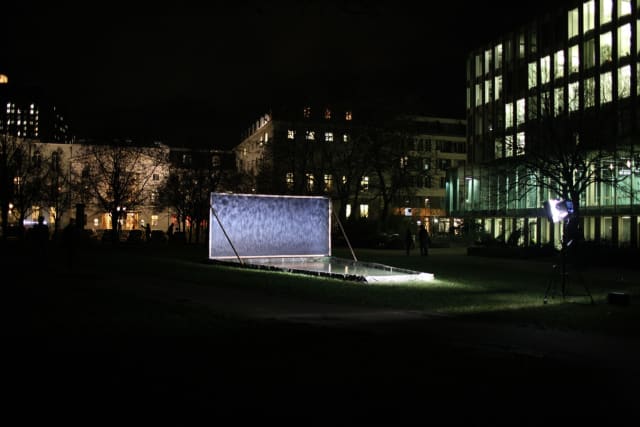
(327,114)
(558,101)
(606,11)
(574,59)
(508,115)
(498,55)
(307,112)
(533,75)
(574,96)
(497,87)
(520,111)
(487,90)
(605,87)
(589,15)
(345,137)
(508,146)
(624,8)
(154,220)
(605,48)
(637,36)
(3,79)
(344,179)
(310,135)
(289,180)
(364,183)
(624,41)
(404,162)
(624,81)
(328,136)
(589,53)
(347,210)
(589,92)
(364,211)
(347,115)
(520,147)
(545,69)
(291,134)
(572,21)
(328,182)
(478,95)
(487,61)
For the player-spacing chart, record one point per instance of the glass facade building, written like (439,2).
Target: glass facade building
(575,68)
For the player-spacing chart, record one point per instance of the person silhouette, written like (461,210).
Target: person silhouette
(423,235)
(147,232)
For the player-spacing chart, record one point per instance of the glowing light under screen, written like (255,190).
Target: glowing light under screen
(266,225)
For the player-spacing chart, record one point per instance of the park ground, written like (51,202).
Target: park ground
(148,335)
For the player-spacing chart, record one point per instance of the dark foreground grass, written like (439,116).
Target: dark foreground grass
(83,344)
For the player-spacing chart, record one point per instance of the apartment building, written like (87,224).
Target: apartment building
(372,164)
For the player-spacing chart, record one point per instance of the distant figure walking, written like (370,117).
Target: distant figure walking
(423,235)
(147,232)
(170,230)
(408,241)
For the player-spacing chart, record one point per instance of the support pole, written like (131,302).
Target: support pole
(226,235)
(345,237)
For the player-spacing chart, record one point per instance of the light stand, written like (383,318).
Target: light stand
(567,241)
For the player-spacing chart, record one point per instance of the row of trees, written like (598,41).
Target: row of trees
(107,177)
(28,178)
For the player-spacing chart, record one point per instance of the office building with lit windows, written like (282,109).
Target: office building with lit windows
(373,164)
(567,82)
(26,113)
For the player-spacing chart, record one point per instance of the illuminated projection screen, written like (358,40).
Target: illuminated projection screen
(269,226)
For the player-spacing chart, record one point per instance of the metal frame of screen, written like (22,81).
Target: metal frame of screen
(261,225)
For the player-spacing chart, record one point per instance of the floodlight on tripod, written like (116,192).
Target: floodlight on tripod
(558,209)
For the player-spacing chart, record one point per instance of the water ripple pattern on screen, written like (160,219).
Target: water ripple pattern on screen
(267,225)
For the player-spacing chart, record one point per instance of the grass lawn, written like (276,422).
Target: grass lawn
(491,289)
(120,352)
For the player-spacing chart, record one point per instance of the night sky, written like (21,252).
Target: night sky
(197,76)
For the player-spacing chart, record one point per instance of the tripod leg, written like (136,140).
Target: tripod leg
(584,283)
